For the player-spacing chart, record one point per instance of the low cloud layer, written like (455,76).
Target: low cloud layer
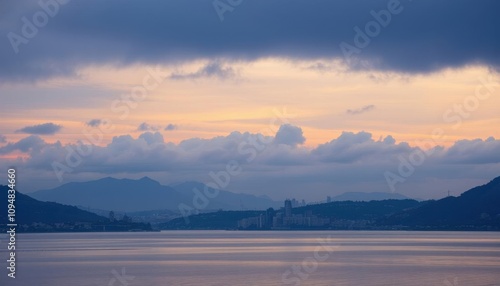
(273,165)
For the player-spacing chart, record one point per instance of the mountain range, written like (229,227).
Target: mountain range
(145,194)
(29,210)
(32,215)
(476,209)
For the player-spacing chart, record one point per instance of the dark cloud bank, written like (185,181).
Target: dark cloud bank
(424,36)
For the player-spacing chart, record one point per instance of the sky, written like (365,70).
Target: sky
(290,98)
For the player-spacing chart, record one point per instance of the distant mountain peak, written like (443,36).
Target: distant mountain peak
(105,179)
(144,179)
(144,194)
(147,179)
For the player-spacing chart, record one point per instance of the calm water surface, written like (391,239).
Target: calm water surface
(256,258)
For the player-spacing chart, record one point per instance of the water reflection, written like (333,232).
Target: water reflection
(257,258)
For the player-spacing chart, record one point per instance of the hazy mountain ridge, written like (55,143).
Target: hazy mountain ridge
(145,194)
(114,194)
(228,200)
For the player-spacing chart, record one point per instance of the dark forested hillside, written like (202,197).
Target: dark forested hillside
(475,209)
(29,210)
(35,216)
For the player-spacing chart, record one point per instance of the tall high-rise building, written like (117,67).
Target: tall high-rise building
(288,208)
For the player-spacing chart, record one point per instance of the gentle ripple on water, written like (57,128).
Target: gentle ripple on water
(256,258)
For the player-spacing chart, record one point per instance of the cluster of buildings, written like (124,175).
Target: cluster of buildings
(283,219)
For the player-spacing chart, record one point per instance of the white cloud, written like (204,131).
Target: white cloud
(31,144)
(352,161)
(289,135)
(352,147)
(475,151)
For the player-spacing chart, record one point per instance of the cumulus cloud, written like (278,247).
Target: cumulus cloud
(347,148)
(170,127)
(289,135)
(146,127)
(3,139)
(475,151)
(389,140)
(152,138)
(351,161)
(41,129)
(30,144)
(360,110)
(352,147)
(211,70)
(436,31)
